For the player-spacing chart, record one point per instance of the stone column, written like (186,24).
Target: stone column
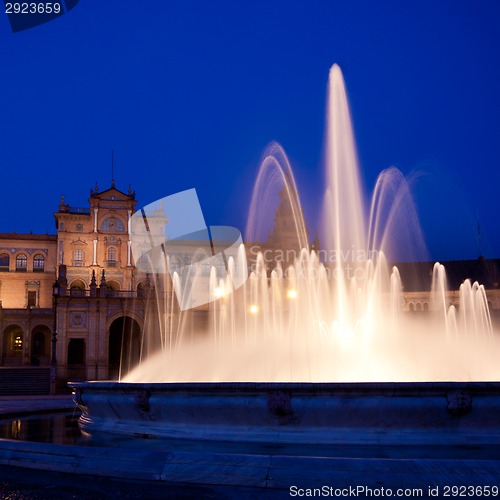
(61,253)
(95,219)
(129,247)
(129,242)
(94,262)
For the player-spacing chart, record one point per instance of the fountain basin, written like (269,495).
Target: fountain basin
(430,413)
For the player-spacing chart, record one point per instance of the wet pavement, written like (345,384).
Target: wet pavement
(27,484)
(18,406)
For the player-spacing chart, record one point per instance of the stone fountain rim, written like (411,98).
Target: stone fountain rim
(416,388)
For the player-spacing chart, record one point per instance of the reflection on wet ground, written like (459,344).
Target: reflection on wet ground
(54,428)
(22,484)
(63,429)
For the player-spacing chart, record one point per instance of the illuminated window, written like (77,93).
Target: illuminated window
(21,263)
(38,263)
(13,342)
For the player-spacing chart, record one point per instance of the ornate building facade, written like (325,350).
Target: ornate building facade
(93,314)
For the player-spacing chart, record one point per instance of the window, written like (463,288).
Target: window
(112,256)
(38,263)
(4,262)
(31,298)
(21,263)
(112,224)
(78,257)
(13,344)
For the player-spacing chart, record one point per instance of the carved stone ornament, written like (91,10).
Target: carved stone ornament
(459,402)
(279,403)
(141,399)
(78,399)
(78,319)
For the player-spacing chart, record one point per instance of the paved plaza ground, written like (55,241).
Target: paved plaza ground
(24,484)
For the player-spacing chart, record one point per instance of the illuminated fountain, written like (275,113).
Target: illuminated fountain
(301,319)
(315,341)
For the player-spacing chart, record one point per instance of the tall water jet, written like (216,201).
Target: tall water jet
(393,225)
(344,196)
(275,189)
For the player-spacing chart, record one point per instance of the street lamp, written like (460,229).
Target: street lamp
(53,358)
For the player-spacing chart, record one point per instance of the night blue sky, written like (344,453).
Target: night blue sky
(189,93)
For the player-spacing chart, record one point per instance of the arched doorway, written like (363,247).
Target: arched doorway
(40,346)
(124,346)
(13,346)
(76,359)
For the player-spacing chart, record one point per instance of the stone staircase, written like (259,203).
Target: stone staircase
(24,381)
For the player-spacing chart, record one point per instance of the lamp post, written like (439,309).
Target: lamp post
(53,358)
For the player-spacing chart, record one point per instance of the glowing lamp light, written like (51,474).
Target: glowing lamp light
(254,309)
(18,343)
(218,292)
(291,294)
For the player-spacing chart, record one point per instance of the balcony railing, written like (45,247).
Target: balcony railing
(79,210)
(121,294)
(35,311)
